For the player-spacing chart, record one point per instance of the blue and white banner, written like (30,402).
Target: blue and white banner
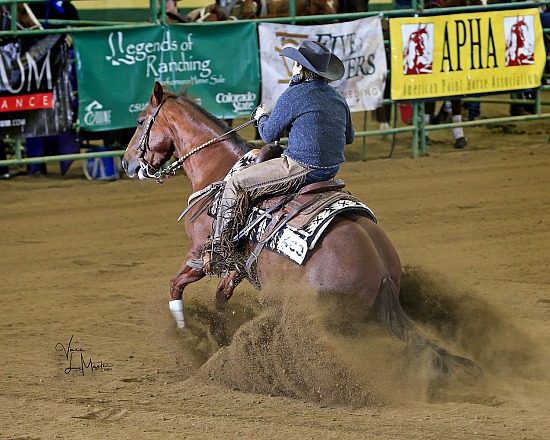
(359,44)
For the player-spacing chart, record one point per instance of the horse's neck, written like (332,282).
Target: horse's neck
(211,163)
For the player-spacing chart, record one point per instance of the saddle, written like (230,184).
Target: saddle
(291,224)
(288,224)
(299,208)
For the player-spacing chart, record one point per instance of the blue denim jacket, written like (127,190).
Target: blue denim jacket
(318,121)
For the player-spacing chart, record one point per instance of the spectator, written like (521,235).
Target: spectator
(474,109)
(173,15)
(456,104)
(66,143)
(383,113)
(351,6)
(54,10)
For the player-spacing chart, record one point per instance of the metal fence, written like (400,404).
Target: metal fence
(418,128)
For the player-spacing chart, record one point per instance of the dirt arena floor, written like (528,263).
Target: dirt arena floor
(86,264)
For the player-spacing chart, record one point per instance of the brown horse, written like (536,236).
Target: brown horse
(251,9)
(25,18)
(232,10)
(281,8)
(353,262)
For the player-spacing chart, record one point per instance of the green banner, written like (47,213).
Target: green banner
(217,66)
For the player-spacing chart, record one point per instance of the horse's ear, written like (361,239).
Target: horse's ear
(158,94)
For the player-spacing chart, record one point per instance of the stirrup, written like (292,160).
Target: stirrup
(201,264)
(208,260)
(195,263)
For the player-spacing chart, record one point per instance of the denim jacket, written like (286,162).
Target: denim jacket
(318,121)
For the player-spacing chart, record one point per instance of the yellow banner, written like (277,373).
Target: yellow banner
(466,54)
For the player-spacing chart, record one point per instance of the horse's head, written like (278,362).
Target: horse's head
(213,12)
(249,9)
(151,146)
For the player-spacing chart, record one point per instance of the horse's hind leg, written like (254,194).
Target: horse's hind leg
(388,310)
(227,285)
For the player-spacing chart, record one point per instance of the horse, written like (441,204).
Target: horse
(281,8)
(252,9)
(222,11)
(25,18)
(354,260)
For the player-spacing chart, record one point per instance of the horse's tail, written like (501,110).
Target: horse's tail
(388,310)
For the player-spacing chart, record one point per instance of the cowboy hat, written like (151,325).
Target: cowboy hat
(317,58)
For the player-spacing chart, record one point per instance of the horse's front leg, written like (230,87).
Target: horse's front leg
(185,276)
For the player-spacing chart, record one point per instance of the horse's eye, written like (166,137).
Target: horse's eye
(140,122)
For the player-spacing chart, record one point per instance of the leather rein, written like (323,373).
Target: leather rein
(163,174)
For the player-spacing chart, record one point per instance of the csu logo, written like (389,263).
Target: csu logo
(96,115)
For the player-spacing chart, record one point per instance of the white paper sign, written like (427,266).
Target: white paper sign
(359,44)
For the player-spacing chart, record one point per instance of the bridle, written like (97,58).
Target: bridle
(163,174)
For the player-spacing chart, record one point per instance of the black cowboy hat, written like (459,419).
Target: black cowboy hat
(317,58)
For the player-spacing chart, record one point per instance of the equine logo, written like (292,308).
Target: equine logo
(96,115)
(520,40)
(418,48)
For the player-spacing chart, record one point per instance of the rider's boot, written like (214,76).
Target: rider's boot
(211,258)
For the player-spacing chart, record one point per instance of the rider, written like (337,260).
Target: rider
(318,121)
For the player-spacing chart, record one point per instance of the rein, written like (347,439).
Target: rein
(163,174)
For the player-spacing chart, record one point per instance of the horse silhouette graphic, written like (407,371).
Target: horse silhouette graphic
(417,49)
(520,46)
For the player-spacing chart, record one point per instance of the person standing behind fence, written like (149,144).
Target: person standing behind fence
(173,16)
(456,104)
(54,10)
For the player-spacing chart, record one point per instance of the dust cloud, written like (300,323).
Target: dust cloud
(284,342)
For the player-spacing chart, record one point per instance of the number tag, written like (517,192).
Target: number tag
(292,245)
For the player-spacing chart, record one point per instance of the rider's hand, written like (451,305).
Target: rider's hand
(260,110)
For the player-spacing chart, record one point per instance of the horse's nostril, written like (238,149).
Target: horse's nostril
(124,166)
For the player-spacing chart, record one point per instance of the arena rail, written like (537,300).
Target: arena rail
(418,128)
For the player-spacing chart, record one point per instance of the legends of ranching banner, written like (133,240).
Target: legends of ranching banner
(217,66)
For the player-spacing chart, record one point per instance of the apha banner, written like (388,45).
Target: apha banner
(359,44)
(466,54)
(217,66)
(36,95)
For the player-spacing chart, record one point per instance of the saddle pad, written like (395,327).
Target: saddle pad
(293,242)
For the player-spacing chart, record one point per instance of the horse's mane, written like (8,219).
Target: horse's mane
(238,141)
